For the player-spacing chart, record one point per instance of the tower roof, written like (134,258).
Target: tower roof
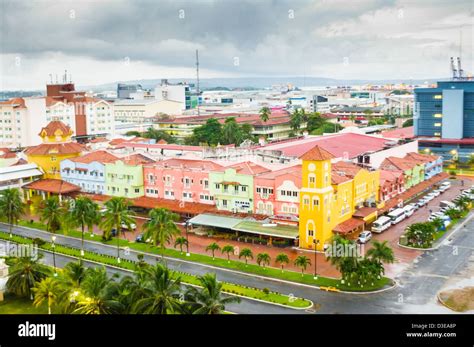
(317,153)
(55,125)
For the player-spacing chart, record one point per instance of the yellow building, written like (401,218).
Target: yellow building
(57,145)
(330,195)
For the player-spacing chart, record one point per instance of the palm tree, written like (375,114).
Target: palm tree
(263,259)
(282,259)
(381,253)
(49,290)
(265,114)
(161,292)
(52,214)
(463,202)
(228,249)
(209,299)
(25,272)
(181,242)
(95,294)
(85,213)
(161,227)
(438,222)
(247,254)
(302,262)
(11,206)
(116,214)
(213,247)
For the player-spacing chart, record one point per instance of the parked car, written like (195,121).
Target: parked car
(445,184)
(434,193)
(364,237)
(133,226)
(409,210)
(421,203)
(140,238)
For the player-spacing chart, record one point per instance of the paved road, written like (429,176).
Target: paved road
(419,282)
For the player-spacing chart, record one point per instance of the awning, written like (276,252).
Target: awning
(215,221)
(173,205)
(278,230)
(15,175)
(53,186)
(348,226)
(366,213)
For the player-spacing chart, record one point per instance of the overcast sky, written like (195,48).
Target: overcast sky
(111,40)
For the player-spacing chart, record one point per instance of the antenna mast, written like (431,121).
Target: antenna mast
(453,69)
(197,80)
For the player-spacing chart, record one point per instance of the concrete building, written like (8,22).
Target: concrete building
(139,111)
(180,93)
(124,91)
(444,119)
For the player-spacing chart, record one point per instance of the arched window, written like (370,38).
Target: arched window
(315,202)
(312,180)
(310,228)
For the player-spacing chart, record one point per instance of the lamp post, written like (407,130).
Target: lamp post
(316,243)
(53,245)
(187,225)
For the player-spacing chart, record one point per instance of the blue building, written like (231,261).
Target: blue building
(87,171)
(444,119)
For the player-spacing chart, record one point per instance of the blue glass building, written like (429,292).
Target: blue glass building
(444,119)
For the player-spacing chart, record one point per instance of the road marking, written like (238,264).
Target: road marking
(432,275)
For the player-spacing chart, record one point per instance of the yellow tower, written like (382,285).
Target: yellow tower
(315,199)
(57,145)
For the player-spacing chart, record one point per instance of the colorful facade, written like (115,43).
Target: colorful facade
(233,187)
(57,146)
(87,171)
(124,177)
(413,170)
(180,179)
(329,197)
(433,164)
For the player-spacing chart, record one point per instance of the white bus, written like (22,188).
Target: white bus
(381,224)
(397,215)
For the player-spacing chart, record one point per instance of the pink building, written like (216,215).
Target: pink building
(180,179)
(277,193)
(391,184)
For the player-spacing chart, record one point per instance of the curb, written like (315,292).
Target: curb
(186,284)
(217,267)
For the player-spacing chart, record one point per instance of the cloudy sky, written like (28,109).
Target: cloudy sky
(104,41)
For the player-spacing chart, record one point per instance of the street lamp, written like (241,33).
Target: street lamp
(53,245)
(187,225)
(316,243)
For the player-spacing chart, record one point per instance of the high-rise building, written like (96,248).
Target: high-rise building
(124,91)
(444,119)
(179,92)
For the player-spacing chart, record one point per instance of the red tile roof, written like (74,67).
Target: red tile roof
(399,163)
(137,159)
(15,102)
(188,164)
(173,205)
(348,226)
(55,148)
(425,158)
(98,140)
(317,153)
(55,125)
(99,156)
(53,186)
(401,133)
(249,168)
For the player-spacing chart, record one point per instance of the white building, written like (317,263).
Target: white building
(139,111)
(17,176)
(100,118)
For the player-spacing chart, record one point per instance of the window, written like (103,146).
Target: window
(437,124)
(437,97)
(244,189)
(137,190)
(438,115)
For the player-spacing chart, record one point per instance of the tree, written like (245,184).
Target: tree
(296,119)
(213,247)
(302,262)
(24,273)
(48,290)
(11,206)
(282,259)
(116,214)
(181,242)
(420,234)
(463,202)
(52,214)
(209,133)
(228,249)
(265,114)
(345,262)
(381,253)
(315,121)
(85,213)
(453,213)
(407,123)
(95,294)
(247,254)
(158,135)
(231,132)
(263,259)
(209,299)
(161,227)
(438,223)
(161,294)
(133,133)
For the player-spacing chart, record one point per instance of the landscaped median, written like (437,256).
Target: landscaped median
(270,272)
(230,288)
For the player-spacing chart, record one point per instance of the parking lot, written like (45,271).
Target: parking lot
(405,256)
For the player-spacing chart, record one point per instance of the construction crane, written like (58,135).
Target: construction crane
(460,70)
(453,69)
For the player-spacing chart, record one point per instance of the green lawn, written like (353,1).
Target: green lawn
(15,305)
(286,231)
(185,278)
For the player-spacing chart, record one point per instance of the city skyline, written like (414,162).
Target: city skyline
(104,41)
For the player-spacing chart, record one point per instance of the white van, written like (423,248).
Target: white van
(397,216)
(381,224)
(409,210)
(447,204)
